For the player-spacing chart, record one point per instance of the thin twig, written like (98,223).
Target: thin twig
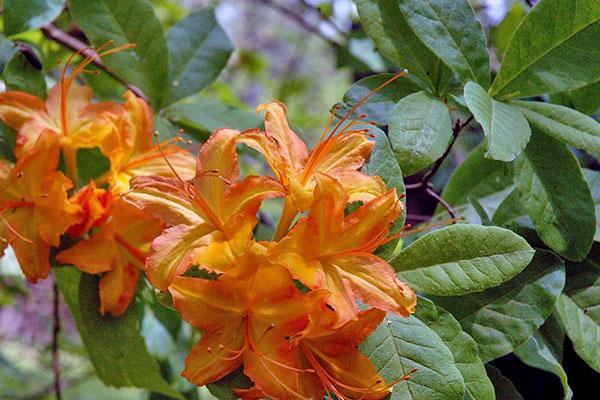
(72,43)
(299,19)
(424,183)
(55,333)
(328,21)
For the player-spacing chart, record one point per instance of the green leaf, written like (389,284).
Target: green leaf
(8,141)
(510,209)
(538,354)
(586,99)
(502,318)
(506,129)
(383,21)
(205,115)
(114,345)
(400,344)
(505,389)
(578,310)
(593,180)
(22,15)
(382,163)
(379,106)
(450,29)
(19,74)
(224,388)
(553,50)
(563,123)
(91,164)
(133,21)
(462,259)
(198,52)
(503,33)
(556,196)
(476,177)
(462,346)
(420,131)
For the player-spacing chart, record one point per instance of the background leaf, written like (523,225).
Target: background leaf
(563,123)
(385,24)
(420,131)
(554,34)
(506,130)
(462,259)
(556,197)
(133,21)
(198,52)
(502,318)
(379,106)
(462,346)
(22,15)
(20,74)
(400,344)
(114,345)
(505,389)
(450,29)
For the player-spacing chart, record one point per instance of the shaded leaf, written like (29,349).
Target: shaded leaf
(503,318)
(554,49)
(114,345)
(505,389)
(462,259)
(22,15)
(19,74)
(593,180)
(556,196)
(503,32)
(198,52)
(420,130)
(506,130)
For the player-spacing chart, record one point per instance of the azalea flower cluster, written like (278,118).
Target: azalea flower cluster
(285,309)
(44,211)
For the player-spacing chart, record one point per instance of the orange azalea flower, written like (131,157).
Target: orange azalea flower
(68,111)
(344,265)
(34,210)
(250,315)
(340,153)
(211,216)
(95,204)
(117,251)
(131,152)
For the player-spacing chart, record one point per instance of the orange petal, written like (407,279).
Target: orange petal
(347,154)
(94,255)
(16,108)
(95,205)
(117,288)
(33,255)
(245,197)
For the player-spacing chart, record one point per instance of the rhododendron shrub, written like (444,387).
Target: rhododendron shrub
(395,241)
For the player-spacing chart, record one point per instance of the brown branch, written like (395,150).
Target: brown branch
(55,333)
(74,44)
(424,183)
(299,19)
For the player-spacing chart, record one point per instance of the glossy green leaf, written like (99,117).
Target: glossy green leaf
(510,209)
(224,388)
(400,344)
(554,49)
(563,123)
(506,129)
(382,163)
(578,310)
(383,21)
(462,346)
(586,99)
(198,52)
(114,345)
(379,106)
(420,131)
(503,32)
(8,141)
(91,164)
(450,29)
(556,196)
(19,74)
(133,21)
(503,318)
(476,177)
(461,259)
(20,15)
(204,115)
(538,354)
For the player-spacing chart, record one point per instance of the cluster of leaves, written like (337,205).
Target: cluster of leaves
(520,272)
